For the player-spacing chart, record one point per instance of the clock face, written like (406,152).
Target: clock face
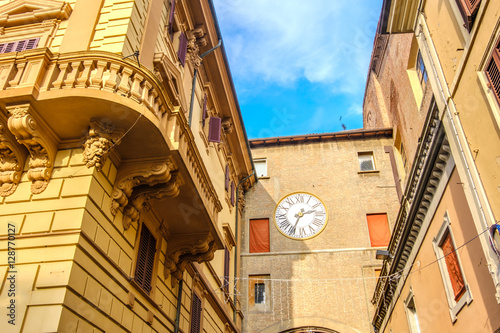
(300,215)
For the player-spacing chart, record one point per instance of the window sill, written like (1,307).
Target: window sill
(264,177)
(370,171)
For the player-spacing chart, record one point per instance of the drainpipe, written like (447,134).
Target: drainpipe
(194,79)
(236,246)
(179,304)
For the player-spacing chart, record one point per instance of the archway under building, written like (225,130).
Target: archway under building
(310,325)
(310,329)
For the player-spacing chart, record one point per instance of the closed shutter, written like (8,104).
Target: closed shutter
(226,269)
(454,271)
(226,183)
(378,227)
(171,19)
(145,260)
(232,193)
(493,71)
(204,114)
(182,48)
(468,9)
(259,236)
(19,46)
(196,314)
(214,129)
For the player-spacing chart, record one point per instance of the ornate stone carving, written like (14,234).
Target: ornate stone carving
(186,249)
(99,141)
(241,200)
(140,198)
(12,160)
(227,126)
(194,43)
(40,143)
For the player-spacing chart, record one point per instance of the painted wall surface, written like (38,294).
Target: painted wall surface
(327,280)
(425,279)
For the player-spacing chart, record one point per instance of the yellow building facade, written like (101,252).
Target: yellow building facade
(123,162)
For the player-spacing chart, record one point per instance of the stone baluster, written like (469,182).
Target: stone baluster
(147,95)
(111,81)
(124,87)
(63,68)
(96,79)
(73,70)
(136,89)
(17,78)
(83,79)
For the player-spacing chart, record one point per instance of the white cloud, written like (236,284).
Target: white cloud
(322,41)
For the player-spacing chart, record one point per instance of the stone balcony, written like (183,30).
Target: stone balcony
(111,105)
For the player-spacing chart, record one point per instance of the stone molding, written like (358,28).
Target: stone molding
(185,249)
(23,12)
(40,143)
(196,41)
(100,139)
(12,159)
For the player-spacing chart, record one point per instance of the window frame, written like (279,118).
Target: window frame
(367,153)
(264,161)
(455,306)
(412,318)
(250,235)
(468,15)
(257,279)
(370,230)
(421,70)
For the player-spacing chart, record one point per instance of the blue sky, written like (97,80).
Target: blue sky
(298,66)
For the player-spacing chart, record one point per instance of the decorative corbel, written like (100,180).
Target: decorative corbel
(12,159)
(196,41)
(241,200)
(185,249)
(40,143)
(140,198)
(227,125)
(99,140)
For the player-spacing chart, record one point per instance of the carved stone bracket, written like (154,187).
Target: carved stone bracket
(140,198)
(227,126)
(194,43)
(12,158)
(185,249)
(40,143)
(98,142)
(134,174)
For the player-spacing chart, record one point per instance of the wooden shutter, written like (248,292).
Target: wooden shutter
(204,114)
(232,193)
(454,271)
(493,71)
(259,236)
(19,46)
(468,9)
(226,269)
(378,227)
(145,260)
(182,48)
(214,129)
(226,184)
(196,314)
(171,19)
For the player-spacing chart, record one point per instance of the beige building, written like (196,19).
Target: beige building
(312,224)
(433,78)
(122,151)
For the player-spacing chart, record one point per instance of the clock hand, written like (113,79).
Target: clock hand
(309,211)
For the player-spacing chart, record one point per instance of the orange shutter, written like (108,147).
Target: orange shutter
(493,71)
(259,236)
(454,271)
(379,229)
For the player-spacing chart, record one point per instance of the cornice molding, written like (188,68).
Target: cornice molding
(23,12)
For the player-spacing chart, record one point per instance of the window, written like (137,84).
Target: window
(204,114)
(411,313)
(196,309)
(214,128)
(227,178)
(421,71)
(366,162)
(468,9)
(259,236)
(20,45)
(259,290)
(378,227)
(181,53)
(145,260)
(493,71)
(403,155)
(171,19)
(455,284)
(227,260)
(260,167)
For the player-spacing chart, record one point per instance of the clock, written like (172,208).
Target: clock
(300,215)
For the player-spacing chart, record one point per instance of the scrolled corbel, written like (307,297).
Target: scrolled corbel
(99,140)
(12,159)
(38,140)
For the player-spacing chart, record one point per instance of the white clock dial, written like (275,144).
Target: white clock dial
(300,215)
